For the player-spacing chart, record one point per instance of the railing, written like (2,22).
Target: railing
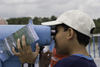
(95,43)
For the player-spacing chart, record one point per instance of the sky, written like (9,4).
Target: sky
(47,8)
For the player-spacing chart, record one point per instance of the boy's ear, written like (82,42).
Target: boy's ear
(70,33)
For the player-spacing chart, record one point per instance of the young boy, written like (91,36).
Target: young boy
(73,32)
(74,29)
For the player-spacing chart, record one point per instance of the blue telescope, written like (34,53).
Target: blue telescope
(44,33)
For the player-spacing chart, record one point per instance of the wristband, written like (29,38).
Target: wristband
(27,65)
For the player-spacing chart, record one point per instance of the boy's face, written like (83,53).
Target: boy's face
(61,40)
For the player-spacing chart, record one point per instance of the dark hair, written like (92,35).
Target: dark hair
(82,39)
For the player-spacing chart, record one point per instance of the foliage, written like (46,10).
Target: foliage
(97,23)
(39,20)
(24,20)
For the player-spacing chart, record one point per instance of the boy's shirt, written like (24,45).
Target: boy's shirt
(76,60)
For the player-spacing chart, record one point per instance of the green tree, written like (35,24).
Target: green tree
(19,20)
(53,18)
(36,20)
(97,23)
(45,19)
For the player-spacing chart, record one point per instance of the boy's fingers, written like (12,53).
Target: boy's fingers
(19,46)
(24,43)
(48,52)
(37,48)
(15,53)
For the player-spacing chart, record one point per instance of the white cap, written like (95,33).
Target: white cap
(75,19)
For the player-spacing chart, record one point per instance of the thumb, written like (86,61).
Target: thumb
(37,48)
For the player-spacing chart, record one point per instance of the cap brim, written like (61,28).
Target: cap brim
(50,23)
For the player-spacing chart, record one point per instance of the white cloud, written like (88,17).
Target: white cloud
(17,2)
(21,8)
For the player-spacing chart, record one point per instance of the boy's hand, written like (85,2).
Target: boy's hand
(45,58)
(25,53)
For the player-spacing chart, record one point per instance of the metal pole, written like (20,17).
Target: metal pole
(94,46)
(99,45)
